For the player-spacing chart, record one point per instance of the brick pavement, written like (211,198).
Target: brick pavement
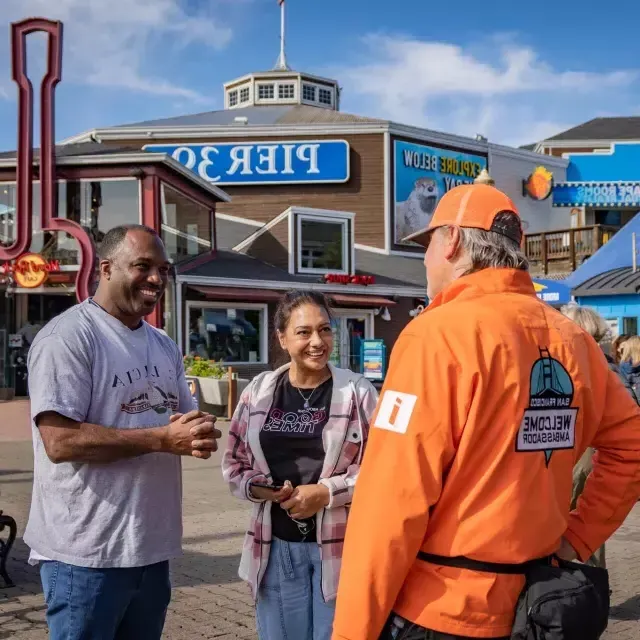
(208,599)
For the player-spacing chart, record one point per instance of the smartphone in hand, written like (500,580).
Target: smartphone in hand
(264,485)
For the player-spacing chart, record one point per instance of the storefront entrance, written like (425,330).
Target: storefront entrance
(32,312)
(350,327)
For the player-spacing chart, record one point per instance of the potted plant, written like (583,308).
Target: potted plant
(212,380)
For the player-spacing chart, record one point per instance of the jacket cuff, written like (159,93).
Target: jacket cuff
(339,494)
(247,487)
(583,551)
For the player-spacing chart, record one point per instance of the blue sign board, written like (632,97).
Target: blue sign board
(601,194)
(552,291)
(248,163)
(372,356)
(423,174)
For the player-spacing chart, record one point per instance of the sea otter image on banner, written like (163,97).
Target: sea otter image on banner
(549,424)
(423,174)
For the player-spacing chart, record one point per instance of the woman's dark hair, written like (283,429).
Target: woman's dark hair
(294,299)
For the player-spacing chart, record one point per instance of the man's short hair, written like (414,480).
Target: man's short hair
(115,237)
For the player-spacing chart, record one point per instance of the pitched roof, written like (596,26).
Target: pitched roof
(78,149)
(615,282)
(257,115)
(392,271)
(622,128)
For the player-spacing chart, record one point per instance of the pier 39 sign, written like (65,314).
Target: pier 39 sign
(249,163)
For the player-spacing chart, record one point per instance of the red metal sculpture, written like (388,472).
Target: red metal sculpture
(49,201)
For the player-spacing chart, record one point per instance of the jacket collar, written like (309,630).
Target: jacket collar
(487,281)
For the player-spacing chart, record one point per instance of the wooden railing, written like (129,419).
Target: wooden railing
(565,249)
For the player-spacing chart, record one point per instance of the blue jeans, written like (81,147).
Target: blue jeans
(290,604)
(105,604)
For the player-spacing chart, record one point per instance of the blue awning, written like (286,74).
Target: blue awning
(552,291)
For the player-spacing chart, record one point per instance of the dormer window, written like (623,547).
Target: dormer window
(244,94)
(325,97)
(266,92)
(308,93)
(323,244)
(233,98)
(286,91)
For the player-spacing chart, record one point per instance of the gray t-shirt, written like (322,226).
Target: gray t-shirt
(86,365)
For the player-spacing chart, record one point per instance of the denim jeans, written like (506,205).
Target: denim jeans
(105,604)
(397,628)
(290,604)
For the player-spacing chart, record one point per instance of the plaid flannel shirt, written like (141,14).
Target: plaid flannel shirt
(344,438)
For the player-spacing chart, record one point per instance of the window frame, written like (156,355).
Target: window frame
(210,243)
(233,94)
(287,85)
(330,92)
(244,89)
(244,306)
(312,87)
(260,85)
(345,223)
(317,88)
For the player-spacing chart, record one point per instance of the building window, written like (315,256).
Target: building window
(186,225)
(323,245)
(97,205)
(324,96)
(308,93)
(244,94)
(266,92)
(630,326)
(286,91)
(220,332)
(233,98)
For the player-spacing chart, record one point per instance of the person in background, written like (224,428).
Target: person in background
(295,444)
(594,324)
(616,347)
(111,414)
(29,331)
(630,361)
(460,466)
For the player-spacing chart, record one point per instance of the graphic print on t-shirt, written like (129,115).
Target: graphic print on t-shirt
(150,398)
(302,422)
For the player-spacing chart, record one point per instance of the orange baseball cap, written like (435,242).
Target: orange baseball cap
(474,206)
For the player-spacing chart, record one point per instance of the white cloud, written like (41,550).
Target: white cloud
(504,90)
(120,44)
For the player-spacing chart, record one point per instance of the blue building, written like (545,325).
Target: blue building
(615,295)
(595,257)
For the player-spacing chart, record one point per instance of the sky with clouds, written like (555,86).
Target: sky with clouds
(513,75)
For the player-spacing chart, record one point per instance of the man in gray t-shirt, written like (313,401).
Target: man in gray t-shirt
(111,414)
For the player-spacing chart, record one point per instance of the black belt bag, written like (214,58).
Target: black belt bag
(560,601)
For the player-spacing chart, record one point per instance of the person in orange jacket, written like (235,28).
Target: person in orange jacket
(490,399)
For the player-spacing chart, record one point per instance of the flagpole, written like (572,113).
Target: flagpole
(282,60)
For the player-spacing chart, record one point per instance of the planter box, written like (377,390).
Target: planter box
(213,394)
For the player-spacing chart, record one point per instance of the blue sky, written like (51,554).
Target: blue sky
(514,75)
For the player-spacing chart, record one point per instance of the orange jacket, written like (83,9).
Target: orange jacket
(490,398)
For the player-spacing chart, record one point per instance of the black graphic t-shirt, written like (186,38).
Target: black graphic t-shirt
(291,440)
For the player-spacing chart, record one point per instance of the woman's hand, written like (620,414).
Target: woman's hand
(260,493)
(306,500)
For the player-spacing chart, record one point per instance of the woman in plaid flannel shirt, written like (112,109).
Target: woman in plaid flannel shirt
(302,429)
